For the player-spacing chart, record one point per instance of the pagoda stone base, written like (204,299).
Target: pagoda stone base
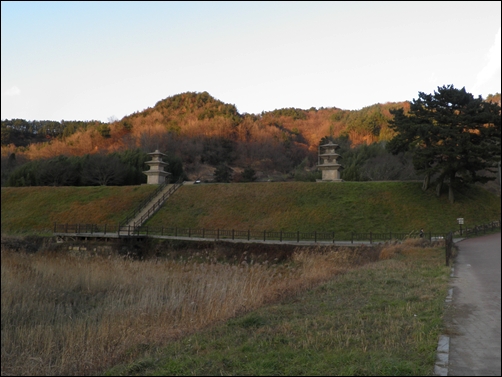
(331,175)
(155,177)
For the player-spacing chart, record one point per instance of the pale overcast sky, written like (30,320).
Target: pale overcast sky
(104,60)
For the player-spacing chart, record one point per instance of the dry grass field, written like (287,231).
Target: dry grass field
(380,319)
(65,314)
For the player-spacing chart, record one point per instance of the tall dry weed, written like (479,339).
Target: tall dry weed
(409,246)
(69,315)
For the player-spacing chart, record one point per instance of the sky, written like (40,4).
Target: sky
(105,60)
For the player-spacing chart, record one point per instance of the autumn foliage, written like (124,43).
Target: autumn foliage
(199,117)
(206,134)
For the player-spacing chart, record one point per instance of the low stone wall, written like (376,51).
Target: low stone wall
(197,251)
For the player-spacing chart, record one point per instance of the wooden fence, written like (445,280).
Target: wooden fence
(478,229)
(233,234)
(266,235)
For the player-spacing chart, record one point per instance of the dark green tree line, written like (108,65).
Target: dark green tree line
(372,162)
(22,132)
(115,169)
(452,135)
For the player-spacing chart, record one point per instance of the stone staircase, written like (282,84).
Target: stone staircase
(147,210)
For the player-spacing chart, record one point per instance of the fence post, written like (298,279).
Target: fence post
(105,228)
(232,234)
(249,234)
(448,247)
(128,230)
(66,228)
(280,236)
(315,236)
(297,236)
(264,235)
(333,236)
(352,239)
(446,244)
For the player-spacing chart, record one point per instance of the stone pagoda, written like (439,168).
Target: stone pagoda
(156,175)
(328,164)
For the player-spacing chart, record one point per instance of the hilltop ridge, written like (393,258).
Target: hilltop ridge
(200,114)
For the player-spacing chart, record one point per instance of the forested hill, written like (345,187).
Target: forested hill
(199,114)
(202,131)
(21,133)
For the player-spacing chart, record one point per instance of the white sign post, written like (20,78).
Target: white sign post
(460,222)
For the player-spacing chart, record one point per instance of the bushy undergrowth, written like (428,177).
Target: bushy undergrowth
(64,314)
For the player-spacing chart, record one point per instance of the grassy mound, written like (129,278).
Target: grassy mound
(35,209)
(340,207)
(289,206)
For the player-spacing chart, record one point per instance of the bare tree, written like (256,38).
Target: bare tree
(103,170)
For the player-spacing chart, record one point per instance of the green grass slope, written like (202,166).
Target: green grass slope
(28,210)
(340,207)
(289,206)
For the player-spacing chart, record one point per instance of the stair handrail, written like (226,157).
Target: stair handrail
(155,207)
(147,200)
